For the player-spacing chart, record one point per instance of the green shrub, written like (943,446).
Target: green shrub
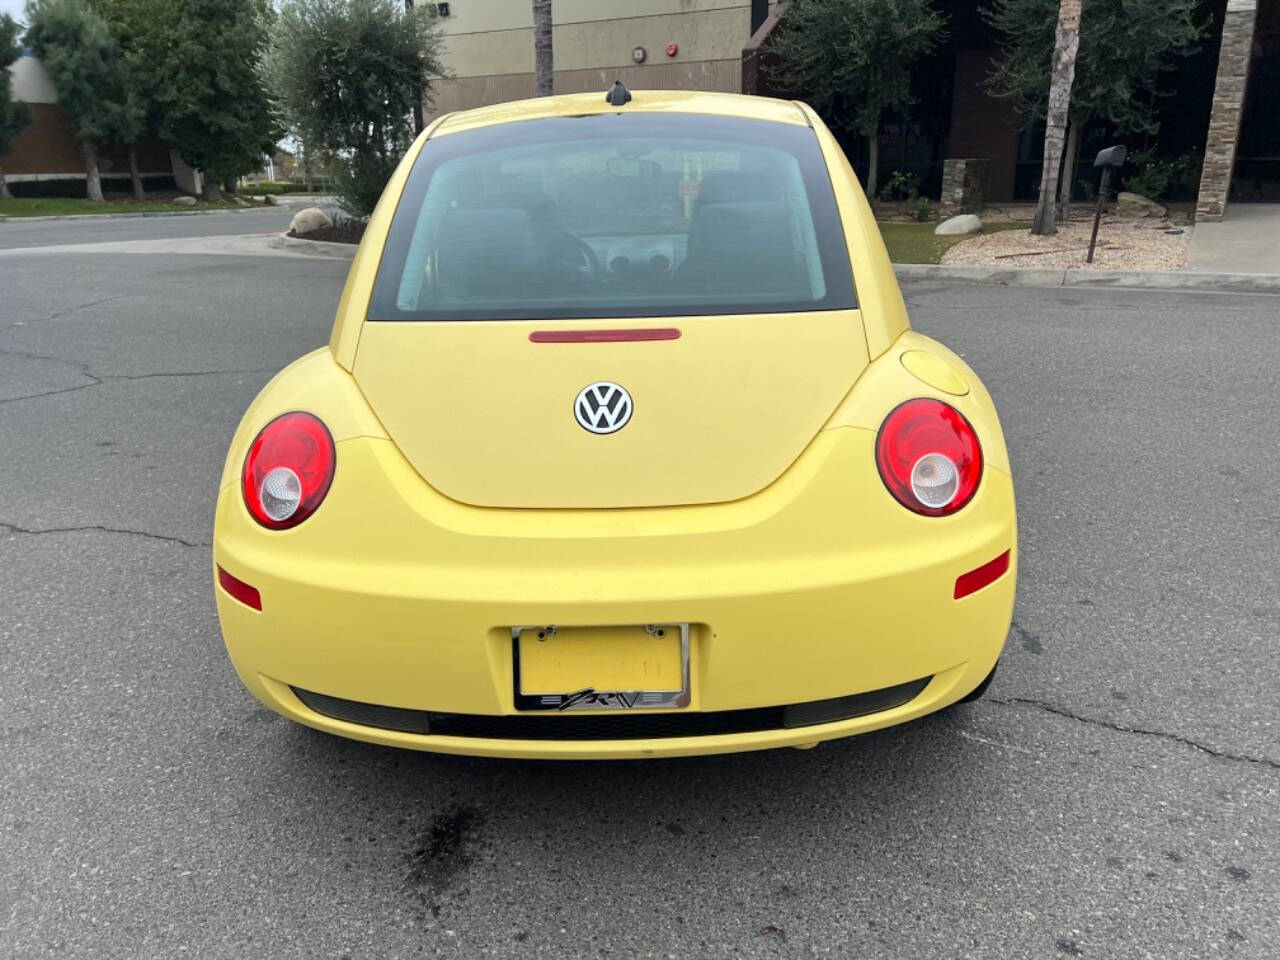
(360,183)
(264,187)
(1156,179)
(901,186)
(921,208)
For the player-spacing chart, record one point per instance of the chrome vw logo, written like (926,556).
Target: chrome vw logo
(602,407)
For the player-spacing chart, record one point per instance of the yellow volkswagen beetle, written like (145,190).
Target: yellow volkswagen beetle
(622,447)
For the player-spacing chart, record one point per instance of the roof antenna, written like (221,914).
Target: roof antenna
(618,95)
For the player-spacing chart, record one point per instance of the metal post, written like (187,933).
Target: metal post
(1097,216)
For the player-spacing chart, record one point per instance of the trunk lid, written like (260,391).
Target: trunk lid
(486,415)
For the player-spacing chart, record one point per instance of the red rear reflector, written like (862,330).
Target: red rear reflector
(603,336)
(984,575)
(239,590)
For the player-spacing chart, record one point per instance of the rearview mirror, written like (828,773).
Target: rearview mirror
(633,168)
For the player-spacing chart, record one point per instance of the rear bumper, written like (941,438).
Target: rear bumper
(819,587)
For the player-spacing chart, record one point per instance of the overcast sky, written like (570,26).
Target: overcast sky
(13,8)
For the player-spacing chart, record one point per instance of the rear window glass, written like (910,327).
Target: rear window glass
(616,215)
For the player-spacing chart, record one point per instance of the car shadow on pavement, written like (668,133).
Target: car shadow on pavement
(446,822)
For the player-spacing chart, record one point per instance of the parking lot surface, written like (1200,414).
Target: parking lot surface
(1117,794)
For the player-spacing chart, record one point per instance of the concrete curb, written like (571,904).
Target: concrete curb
(135,216)
(1014,276)
(1076,277)
(314,248)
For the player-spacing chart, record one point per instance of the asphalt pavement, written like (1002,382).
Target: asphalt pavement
(1116,795)
(23,232)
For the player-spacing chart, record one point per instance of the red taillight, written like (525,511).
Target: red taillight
(288,470)
(239,590)
(929,457)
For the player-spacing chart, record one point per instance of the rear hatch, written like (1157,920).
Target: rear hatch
(487,416)
(696,262)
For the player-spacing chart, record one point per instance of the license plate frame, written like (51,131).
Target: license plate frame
(591,699)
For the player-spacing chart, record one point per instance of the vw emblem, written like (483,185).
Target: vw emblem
(602,407)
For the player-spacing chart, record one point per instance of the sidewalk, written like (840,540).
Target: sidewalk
(1246,241)
(1224,282)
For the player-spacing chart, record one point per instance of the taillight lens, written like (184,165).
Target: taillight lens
(929,457)
(288,470)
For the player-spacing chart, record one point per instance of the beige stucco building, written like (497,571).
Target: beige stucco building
(655,44)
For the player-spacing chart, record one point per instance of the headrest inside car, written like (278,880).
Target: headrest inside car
(738,186)
(486,249)
(740,247)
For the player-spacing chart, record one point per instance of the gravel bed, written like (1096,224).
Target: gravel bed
(1122,245)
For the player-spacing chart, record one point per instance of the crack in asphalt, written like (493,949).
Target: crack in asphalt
(97,528)
(98,380)
(1139,731)
(67,311)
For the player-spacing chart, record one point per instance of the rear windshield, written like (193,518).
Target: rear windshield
(615,215)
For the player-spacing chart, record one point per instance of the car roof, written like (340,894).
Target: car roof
(642,101)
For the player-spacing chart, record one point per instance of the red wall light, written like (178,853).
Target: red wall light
(672,49)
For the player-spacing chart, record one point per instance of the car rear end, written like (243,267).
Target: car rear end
(737,550)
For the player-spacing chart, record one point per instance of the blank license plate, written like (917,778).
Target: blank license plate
(601,668)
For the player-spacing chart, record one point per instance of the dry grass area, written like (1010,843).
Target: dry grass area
(1122,245)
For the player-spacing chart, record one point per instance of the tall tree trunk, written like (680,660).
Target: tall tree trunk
(1069,161)
(4,187)
(1066,45)
(211,191)
(92,181)
(873,163)
(134,176)
(542,60)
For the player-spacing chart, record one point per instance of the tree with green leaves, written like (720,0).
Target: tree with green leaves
(1124,47)
(851,59)
(131,24)
(205,63)
(347,73)
(81,57)
(14,116)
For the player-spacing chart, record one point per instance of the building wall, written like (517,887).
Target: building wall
(489,47)
(30,81)
(1256,176)
(47,148)
(983,127)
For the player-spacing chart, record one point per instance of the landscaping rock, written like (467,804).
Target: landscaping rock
(965,223)
(308,221)
(185,201)
(1135,206)
(270,200)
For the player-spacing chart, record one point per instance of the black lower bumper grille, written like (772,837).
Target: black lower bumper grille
(613,726)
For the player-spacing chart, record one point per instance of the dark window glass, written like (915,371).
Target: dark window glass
(631,215)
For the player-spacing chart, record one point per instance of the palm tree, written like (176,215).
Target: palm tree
(1065,46)
(542,62)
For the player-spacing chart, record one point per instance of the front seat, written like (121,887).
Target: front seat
(740,240)
(486,254)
